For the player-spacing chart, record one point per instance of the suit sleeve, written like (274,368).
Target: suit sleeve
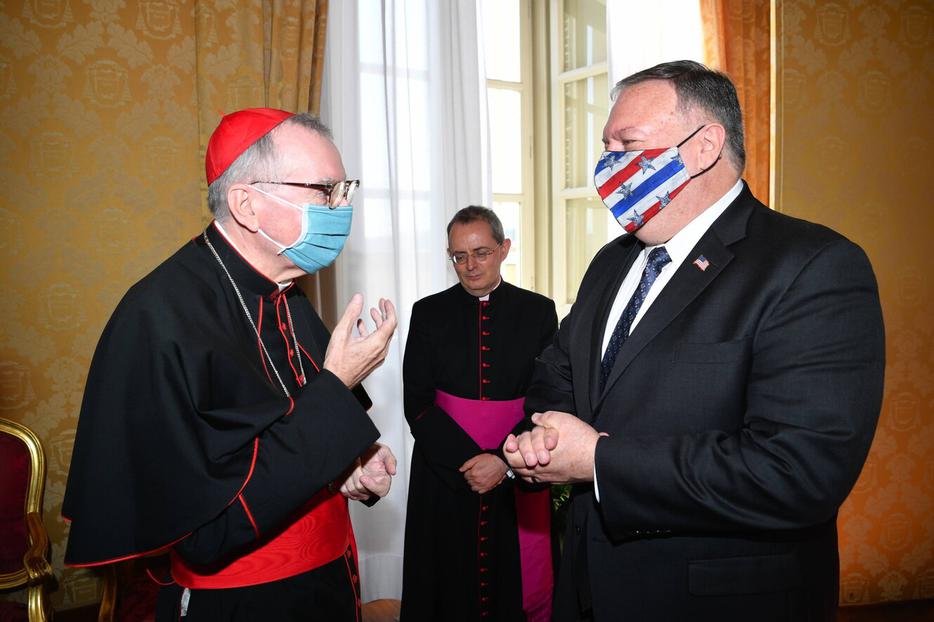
(294,458)
(552,387)
(547,327)
(442,442)
(812,400)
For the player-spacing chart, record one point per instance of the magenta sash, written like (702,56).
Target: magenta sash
(488,422)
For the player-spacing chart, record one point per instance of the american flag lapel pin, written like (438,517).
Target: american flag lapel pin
(701,263)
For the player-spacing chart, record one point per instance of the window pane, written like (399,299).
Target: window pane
(586,106)
(510,213)
(501,39)
(589,226)
(506,140)
(584,33)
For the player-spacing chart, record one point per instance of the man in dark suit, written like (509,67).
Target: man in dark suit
(713,393)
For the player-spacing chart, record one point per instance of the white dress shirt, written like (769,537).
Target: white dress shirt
(678,248)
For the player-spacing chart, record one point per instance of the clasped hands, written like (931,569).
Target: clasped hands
(370,474)
(484,472)
(558,450)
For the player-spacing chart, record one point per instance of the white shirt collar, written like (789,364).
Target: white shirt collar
(487,295)
(682,242)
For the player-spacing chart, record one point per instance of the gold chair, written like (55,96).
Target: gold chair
(129,594)
(24,541)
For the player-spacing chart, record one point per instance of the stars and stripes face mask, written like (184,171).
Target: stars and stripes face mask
(637,185)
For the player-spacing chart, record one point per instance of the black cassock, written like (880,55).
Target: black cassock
(461,549)
(186,440)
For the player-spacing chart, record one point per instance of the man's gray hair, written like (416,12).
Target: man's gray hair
(473,213)
(699,86)
(259,162)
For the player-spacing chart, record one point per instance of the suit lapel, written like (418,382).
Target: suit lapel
(686,284)
(592,306)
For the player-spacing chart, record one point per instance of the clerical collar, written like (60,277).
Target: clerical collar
(229,240)
(486,296)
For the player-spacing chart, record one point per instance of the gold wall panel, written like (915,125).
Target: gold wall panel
(853,146)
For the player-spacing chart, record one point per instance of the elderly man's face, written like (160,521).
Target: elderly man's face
(645,116)
(303,156)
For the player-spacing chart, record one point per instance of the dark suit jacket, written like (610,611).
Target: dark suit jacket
(739,413)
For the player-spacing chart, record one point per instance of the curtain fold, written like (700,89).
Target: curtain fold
(737,42)
(317,56)
(402,94)
(262,54)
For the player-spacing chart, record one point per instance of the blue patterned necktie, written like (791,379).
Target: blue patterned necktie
(658,258)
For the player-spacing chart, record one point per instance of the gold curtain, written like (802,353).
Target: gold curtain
(736,41)
(233,72)
(285,72)
(105,111)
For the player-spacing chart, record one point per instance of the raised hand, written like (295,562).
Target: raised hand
(352,357)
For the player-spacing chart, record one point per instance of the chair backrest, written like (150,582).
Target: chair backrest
(22,479)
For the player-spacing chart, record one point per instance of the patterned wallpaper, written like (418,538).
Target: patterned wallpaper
(105,107)
(855,136)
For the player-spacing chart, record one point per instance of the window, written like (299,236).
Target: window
(507,53)
(580,88)
(550,67)
(584,67)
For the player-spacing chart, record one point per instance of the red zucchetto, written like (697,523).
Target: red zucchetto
(234,135)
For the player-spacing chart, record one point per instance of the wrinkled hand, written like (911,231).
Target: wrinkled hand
(531,448)
(560,449)
(352,357)
(371,474)
(484,472)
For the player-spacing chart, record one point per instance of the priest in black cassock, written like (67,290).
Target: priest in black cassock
(222,425)
(477,544)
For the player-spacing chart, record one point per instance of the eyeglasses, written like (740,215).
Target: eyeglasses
(337,193)
(481,255)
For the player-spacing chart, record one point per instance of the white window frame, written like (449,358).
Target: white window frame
(561,194)
(525,199)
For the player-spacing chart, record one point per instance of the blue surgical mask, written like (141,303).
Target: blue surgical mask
(324,231)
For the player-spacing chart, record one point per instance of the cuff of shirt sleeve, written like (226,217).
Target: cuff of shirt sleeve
(596,488)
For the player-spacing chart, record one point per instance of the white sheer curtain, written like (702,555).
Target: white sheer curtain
(404,93)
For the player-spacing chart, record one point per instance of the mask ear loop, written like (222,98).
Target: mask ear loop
(719,155)
(691,135)
(301,235)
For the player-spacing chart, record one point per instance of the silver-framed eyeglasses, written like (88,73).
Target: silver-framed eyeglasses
(337,193)
(480,255)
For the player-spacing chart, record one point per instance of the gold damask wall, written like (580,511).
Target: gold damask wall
(105,108)
(854,139)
